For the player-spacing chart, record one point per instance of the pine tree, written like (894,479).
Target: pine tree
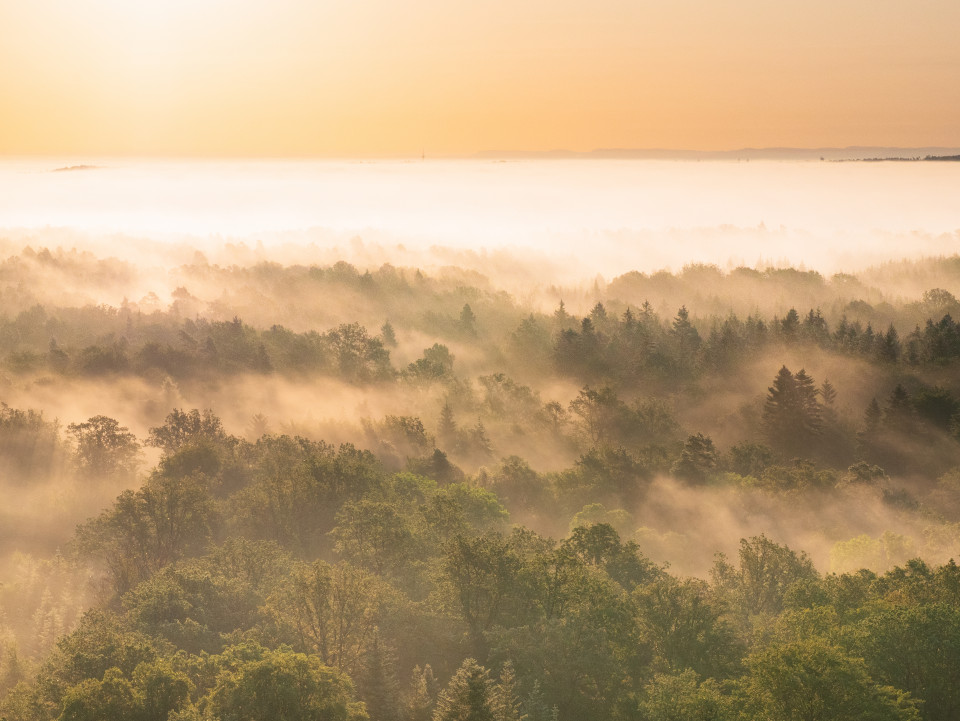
(790,324)
(808,406)
(840,334)
(561,316)
(447,428)
(697,459)
(598,315)
(388,336)
(686,339)
(867,341)
(779,409)
(505,702)
(536,706)
(377,683)
(899,414)
(419,701)
(828,393)
(791,413)
(468,321)
(467,697)
(479,443)
(866,438)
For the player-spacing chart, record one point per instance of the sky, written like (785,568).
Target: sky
(381,78)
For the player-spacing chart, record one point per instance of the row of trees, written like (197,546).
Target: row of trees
(626,349)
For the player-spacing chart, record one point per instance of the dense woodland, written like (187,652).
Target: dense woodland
(268,491)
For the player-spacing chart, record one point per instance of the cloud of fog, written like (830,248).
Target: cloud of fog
(590,216)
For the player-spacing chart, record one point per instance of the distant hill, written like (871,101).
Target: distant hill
(849,153)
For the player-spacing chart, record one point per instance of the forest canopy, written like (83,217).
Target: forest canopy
(268,491)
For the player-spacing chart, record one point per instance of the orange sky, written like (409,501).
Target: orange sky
(382,77)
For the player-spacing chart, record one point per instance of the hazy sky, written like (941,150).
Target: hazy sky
(382,77)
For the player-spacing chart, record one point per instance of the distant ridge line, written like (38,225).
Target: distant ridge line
(853,152)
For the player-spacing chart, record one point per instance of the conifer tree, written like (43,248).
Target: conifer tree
(468,321)
(447,428)
(899,414)
(561,316)
(598,315)
(420,697)
(686,339)
(866,438)
(791,413)
(828,396)
(808,405)
(536,706)
(388,336)
(790,324)
(505,702)
(888,346)
(468,695)
(697,459)
(828,393)
(377,682)
(779,409)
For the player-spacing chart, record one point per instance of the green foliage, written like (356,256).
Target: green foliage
(285,685)
(181,428)
(687,627)
(31,448)
(682,697)
(915,648)
(148,529)
(791,412)
(104,448)
(468,695)
(812,679)
(435,365)
(698,459)
(263,579)
(765,573)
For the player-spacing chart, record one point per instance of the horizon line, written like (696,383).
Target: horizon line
(595,153)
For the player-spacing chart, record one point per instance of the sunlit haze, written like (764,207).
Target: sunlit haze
(377,78)
(605,216)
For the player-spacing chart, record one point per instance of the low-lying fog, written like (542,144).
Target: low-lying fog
(185,239)
(586,216)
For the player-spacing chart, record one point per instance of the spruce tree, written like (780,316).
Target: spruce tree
(867,437)
(828,396)
(468,321)
(790,324)
(561,316)
(888,346)
(828,393)
(697,459)
(536,706)
(779,409)
(377,683)
(447,428)
(808,406)
(388,336)
(792,414)
(899,414)
(505,702)
(420,697)
(686,340)
(468,695)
